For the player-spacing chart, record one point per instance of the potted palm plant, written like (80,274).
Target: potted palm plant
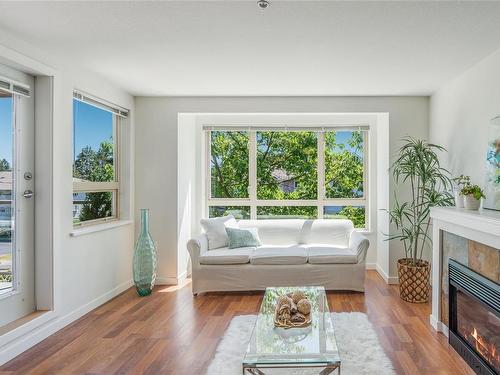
(418,168)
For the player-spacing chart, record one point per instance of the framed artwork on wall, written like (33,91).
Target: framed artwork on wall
(492,183)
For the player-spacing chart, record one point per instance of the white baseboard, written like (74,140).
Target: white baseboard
(434,322)
(371,266)
(393,280)
(171,280)
(26,340)
(388,279)
(166,281)
(438,325)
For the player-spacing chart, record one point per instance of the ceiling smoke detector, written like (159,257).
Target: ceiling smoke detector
(263,4)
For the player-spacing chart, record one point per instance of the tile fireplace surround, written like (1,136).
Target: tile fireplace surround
(469,240)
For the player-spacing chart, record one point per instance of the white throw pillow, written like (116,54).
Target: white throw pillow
(215,230)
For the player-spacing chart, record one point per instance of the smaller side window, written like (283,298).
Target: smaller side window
(96,183)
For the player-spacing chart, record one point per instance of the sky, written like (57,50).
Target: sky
(6,129)
(342,137)
(91,126)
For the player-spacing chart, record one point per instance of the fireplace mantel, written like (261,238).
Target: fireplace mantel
(486,221)
(482,227)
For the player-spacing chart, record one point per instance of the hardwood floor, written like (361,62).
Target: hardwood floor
(172,332)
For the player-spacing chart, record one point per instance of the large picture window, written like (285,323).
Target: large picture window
(96,178)
(266,173)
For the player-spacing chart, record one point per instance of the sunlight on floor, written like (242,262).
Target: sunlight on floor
(173,288)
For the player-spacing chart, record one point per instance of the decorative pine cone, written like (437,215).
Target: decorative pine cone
(284,300)
(284,314)
(297,296)
(298,318)
(304,306)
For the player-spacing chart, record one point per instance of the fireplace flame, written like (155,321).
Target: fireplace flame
(486,349)
(474,333)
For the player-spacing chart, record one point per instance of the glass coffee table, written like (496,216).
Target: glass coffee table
(313,347)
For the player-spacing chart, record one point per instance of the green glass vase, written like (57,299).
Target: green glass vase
(144,258)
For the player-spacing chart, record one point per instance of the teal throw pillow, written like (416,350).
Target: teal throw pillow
(242,237)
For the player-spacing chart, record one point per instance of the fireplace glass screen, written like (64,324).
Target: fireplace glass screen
(480,327)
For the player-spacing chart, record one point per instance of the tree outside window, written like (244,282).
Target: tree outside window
(95,181)
(286,169)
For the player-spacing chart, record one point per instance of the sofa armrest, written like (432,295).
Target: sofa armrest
(196,247)
(359,244)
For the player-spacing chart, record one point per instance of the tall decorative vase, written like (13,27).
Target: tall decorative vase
(144,258)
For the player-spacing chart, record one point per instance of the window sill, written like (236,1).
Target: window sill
(20,327)
(99,228)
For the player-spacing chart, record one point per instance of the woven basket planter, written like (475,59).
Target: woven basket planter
(413,280)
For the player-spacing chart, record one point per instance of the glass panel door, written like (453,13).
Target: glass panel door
(17,203)
(7,201)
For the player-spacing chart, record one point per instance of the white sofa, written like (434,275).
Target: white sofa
(327,253)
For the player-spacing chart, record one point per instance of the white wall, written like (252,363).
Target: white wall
(188,176)
(157,151)
(460,113)
(88,269)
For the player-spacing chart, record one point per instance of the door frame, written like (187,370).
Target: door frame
(45,91)
(21,296)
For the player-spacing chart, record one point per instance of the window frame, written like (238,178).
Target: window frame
(320,202)
(102,187)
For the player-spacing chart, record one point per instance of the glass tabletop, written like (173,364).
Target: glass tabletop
(297,347)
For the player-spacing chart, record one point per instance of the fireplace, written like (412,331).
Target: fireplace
(474,321)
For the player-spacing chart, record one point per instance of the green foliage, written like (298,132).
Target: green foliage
(97,206)
(287,212)
(6,278)
(96,166)
(418,168)
(474,190)
(4,165)
(294,156)
(229,164)
(344,167)
(462,181)
(239,212)
(287,169)
(355,214)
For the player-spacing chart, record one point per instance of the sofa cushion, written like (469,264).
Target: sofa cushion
(243,237)
(224,255)
(276,232)
(334,232)
(215,228)
(269,254)
(324,254)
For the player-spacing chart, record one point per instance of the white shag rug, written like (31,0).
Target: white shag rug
(360,351)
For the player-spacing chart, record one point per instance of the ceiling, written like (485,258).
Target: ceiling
(234,48)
